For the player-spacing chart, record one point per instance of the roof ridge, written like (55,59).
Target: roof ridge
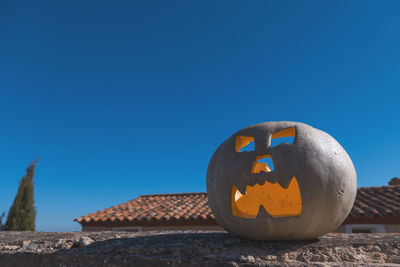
(173,194)
(378,186)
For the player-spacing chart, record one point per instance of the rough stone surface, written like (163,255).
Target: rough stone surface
(193,248)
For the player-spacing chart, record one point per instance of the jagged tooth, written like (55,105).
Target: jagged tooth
(269,177)
(284,182)
(241,187)
(261,183)
(262,212)
(252,183)
(260,178)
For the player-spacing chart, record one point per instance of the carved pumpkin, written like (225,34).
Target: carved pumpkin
(298,189)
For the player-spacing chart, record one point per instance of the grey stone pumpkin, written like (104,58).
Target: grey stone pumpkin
(309,190)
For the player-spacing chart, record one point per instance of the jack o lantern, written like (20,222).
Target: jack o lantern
(297,189)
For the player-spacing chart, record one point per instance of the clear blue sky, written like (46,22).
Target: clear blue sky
(122,98)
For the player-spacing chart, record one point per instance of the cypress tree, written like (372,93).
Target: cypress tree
(1,221)
(22,214)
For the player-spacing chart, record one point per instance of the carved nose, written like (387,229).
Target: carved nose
(262,163)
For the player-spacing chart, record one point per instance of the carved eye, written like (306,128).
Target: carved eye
(283,136)
(244,143)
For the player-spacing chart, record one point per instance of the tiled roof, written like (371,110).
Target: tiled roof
(162,207)
(371,202)
(379,201)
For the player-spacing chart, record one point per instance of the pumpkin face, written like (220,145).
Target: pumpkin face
(299,189)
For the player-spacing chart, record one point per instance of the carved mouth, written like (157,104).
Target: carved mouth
(271,197)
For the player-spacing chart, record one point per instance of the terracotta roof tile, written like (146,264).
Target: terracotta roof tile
(379,201)
(370,202)
(160,207)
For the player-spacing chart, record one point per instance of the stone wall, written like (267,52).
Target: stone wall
(155,228)
(392,228)
(192,248)
(388,228)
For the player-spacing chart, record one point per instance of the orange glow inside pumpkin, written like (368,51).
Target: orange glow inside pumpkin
(242,141)
(277,201)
